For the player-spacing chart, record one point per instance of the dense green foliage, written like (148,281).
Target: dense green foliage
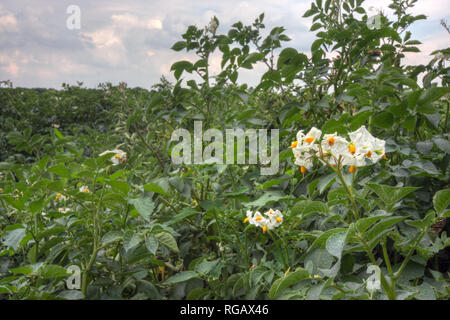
(149,229)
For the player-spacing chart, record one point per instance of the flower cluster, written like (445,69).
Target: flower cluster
(267,221)
(61,197)
(18,194)
(119,156)
(335,150)
(212,26)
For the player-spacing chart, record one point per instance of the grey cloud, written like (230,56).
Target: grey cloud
(41,51)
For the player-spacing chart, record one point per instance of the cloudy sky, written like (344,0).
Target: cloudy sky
(130,40)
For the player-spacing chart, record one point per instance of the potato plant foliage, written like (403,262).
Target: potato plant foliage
(138,226)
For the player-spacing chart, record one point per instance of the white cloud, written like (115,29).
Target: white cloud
(8,22)
(103,38)
(130,41)
(154,24)
(127,20)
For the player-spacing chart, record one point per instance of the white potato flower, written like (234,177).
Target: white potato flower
(84,189)
(333,147)
(61,197)
(269,220)
(362,149)
(119,156)
(305,148)
(366,147)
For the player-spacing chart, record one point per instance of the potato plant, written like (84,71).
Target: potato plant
(93,207)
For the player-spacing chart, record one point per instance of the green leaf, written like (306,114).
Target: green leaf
(205,266)
(253,58)
(335,244)
(111,237)
(26,270)
(151,243)
(168,240)
(13,238)
(53,271)
(384,120)
(426,292)
(316,44)
(377,230)
(131,240)
(266,198)
(424,223)
(432,94)
(153,187)
(144,206)
(57,185)
(60,170)
(120,186)
(315,26)
(424,147)
(310,12)
(181,277)
(71,295)
(442,144)
(322,238)
(272,183)
(326,182)
(178,46)
(434,119)
(411,49)
(318,259)
(287,280)
(305,208)
(37,206)
(59,134)
(185,213)
(390,195)
(181,66)
(441,201)
(363,224)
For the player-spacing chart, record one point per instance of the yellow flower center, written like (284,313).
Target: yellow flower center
(264,228)
(369,154)
(384,156)
(294,144)
(258,218)
(279,219)
(352,148)
(309,139)
(245,220)
(352,169)
(85,190)
(302,169)
(117,156)
(331,141)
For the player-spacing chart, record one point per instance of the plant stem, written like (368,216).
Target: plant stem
(390,290)
(386,257)
(410,253)
(96,247)
(349,191)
